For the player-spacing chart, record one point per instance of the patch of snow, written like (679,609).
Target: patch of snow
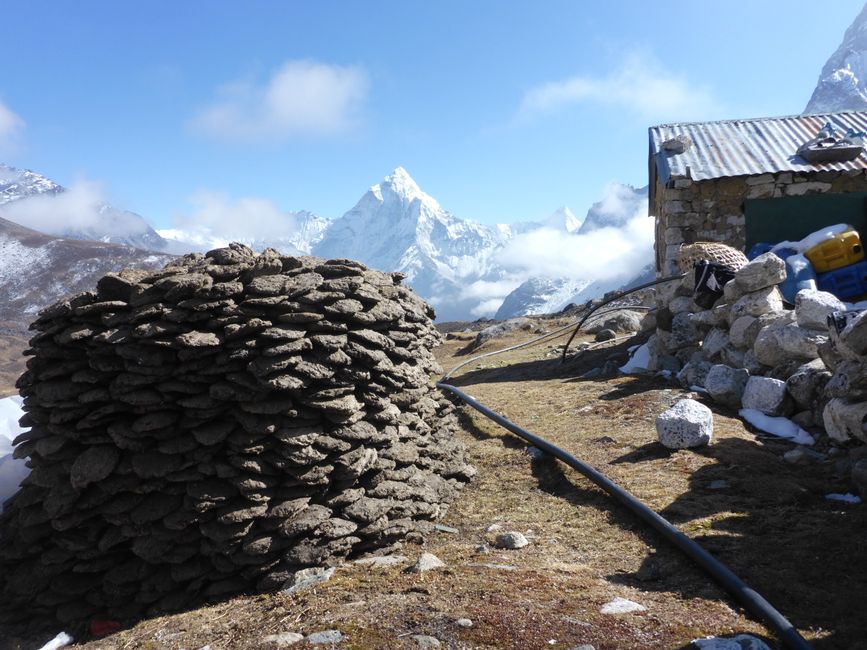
(639,359)
(60,641)
(777,426)
(845,498)
(12,470)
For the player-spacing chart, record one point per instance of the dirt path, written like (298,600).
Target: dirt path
(766,519)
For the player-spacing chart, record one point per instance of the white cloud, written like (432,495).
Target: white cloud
(11,127)
(489,294)
(81,208)
(607,253)
(300,98)
(216,219)
(639,85)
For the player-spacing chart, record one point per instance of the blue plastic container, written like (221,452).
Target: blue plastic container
(799,274)
(847,283)
(759,248)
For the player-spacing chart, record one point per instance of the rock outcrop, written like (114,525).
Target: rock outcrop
(216,427)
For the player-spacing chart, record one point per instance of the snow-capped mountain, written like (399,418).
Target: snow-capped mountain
(34,201)
(843,80)
(620,204)
(539,296)
(298,232)
(563,219)
(396,226)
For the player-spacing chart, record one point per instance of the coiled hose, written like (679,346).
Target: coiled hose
(751,600)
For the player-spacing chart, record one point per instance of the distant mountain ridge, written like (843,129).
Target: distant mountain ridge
(26,196)
(843,81)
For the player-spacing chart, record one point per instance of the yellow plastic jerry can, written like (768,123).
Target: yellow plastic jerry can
(836,252)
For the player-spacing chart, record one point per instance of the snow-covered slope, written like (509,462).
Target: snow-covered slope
(34,201)
(37,269)
(843,80)
(12,471)
(396,226)
(540,296)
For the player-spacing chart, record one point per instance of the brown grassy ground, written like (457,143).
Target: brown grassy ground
(770,524)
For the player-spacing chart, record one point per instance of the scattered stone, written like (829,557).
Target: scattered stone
(498,330)
(483,549)
(620,605)
(498,567)
(511,540)
(464,622)
(426,562)
(281,640)
(446,529)
(605,335)
(761,302)
(307,578)
(686,424)
(739,642)
(493,528)
(383,561)
(426,642)
(326,636)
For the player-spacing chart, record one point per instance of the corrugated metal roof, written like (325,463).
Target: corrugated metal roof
(749,147)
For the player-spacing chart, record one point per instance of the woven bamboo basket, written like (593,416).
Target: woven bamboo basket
(729,257)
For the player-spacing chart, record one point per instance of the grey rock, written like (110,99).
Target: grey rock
(426,642)
(726,385)
(812,308)
(464,622)
(743,331)
(714,342)
(281,640)
(686,424)
(757,303)
(383,561)
(764,271)
(683,332)
(859,477)
(776,345)
(807,384)
(854,337)
(605,335)
(511,540)
(426,562)
(307,578)
(739,642)
(844,419)
(325,637)
(694,373)
(767,395)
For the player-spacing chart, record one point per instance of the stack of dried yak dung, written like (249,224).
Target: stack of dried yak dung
(213,427)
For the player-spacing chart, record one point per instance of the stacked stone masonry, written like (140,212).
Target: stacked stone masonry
(713,210)
(749,351)
(216,426)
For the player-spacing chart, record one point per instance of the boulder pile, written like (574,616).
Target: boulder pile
(750,351)
(216,427)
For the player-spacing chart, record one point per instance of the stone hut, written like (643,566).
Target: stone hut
(742,181)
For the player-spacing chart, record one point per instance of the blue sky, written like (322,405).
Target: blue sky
(503,111)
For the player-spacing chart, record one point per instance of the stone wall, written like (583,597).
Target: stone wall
(749,352)
(217,426)
(713,210)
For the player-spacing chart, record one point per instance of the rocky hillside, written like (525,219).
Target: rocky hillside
(37,269)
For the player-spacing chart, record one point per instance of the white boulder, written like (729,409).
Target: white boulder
(813,307)
(767,395)
(766,270)
(686,424)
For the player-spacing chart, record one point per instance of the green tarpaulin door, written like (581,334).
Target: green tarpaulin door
(794,217)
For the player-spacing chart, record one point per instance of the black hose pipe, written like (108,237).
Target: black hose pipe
(614,298)
(752,601)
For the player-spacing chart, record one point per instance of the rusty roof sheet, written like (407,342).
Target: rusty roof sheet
(749,147)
